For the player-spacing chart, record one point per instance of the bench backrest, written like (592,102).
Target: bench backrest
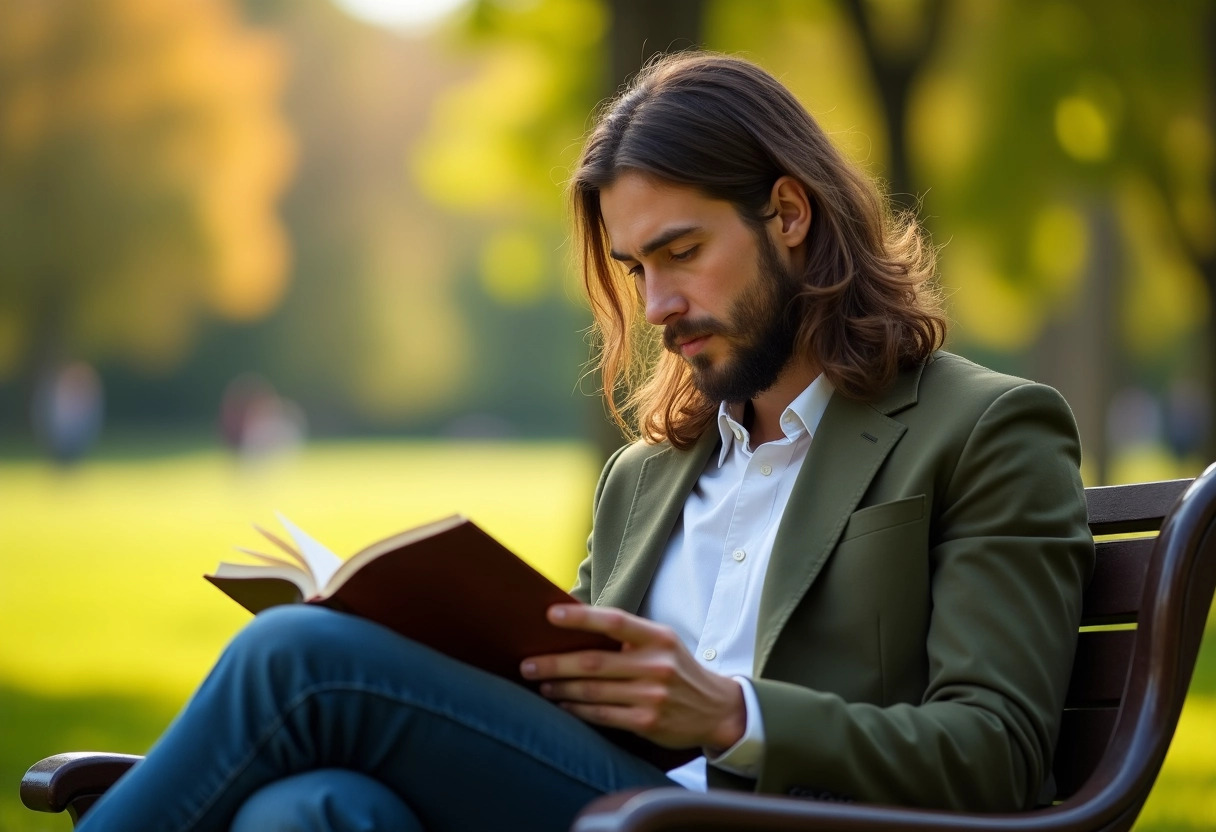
(1142,622)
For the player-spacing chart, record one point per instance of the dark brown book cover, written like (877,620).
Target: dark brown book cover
(454,588)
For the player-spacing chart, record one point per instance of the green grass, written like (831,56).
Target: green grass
(107,625)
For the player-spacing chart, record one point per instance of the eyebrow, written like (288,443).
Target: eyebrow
(668,236)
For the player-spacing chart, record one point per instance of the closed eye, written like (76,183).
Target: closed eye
(638,271)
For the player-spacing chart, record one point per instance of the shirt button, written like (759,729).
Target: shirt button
(766,469)
(738,435)
(710,654)
(739,555)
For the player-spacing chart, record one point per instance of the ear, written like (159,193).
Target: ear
(793,212)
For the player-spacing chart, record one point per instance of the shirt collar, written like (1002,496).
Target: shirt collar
(801,416)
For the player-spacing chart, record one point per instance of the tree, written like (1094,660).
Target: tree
(1060,151)
(1069,147)
(141,157)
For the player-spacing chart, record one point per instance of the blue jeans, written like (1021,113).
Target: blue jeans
(313,719)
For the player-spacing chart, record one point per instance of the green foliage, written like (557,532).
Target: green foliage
(497,143)
(1026,122)
(1037,117)
(1058,148)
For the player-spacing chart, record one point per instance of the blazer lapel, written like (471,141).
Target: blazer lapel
(664,483)
(853,440)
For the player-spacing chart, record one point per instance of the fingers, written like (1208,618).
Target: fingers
(657,665)
(607,692)
(649,649)
(614,623)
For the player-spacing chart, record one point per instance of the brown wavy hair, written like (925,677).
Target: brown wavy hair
(869,305)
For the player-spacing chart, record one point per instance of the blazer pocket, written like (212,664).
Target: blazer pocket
(884,516)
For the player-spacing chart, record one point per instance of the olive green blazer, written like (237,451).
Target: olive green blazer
(919,616)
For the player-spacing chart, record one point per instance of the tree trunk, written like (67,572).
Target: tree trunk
(1207,268)
(641,29)
(1079,353)
(893,76)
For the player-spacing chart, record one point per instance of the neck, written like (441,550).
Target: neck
(769,405)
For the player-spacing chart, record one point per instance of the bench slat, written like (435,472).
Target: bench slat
(1084,735)
(1123,509)
(1099,671)
(1115,593)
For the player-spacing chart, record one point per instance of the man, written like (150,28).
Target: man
(842,564)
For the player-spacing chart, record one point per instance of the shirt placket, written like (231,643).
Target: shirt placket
(757,492)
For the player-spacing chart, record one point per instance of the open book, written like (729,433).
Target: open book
(446,584)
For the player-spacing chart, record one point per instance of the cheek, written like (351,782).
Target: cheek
(729,277)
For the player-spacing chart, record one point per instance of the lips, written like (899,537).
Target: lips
(689,347)
(688,337)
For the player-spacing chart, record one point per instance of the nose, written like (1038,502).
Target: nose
(663,299)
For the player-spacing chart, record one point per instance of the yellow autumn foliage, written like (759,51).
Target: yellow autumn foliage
(141,158)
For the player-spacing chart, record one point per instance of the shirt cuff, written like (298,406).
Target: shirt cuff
(743,758)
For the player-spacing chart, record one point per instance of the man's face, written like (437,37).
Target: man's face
(716,286)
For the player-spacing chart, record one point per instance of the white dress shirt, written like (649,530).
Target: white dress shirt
(707,586)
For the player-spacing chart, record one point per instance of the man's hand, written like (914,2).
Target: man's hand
(653,687)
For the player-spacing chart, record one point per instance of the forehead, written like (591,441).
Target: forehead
(638,208)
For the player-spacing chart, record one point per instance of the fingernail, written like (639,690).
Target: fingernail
(557,612)
(528,668)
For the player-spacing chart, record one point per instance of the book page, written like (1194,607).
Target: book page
(258,588)
(283,546)
(271,559)
(321,562)
(286,572)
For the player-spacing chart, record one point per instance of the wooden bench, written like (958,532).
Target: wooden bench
(1126,692)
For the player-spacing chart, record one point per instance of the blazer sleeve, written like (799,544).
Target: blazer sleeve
(1009,553)
(582,585)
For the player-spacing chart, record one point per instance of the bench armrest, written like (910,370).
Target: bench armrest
(56,783)
(680,810)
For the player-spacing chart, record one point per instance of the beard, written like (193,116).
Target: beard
(763,326)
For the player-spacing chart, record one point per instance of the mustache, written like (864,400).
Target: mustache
(686,330)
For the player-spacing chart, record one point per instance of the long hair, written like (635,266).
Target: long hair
(868,304)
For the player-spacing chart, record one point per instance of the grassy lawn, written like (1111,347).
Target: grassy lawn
(108,625)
